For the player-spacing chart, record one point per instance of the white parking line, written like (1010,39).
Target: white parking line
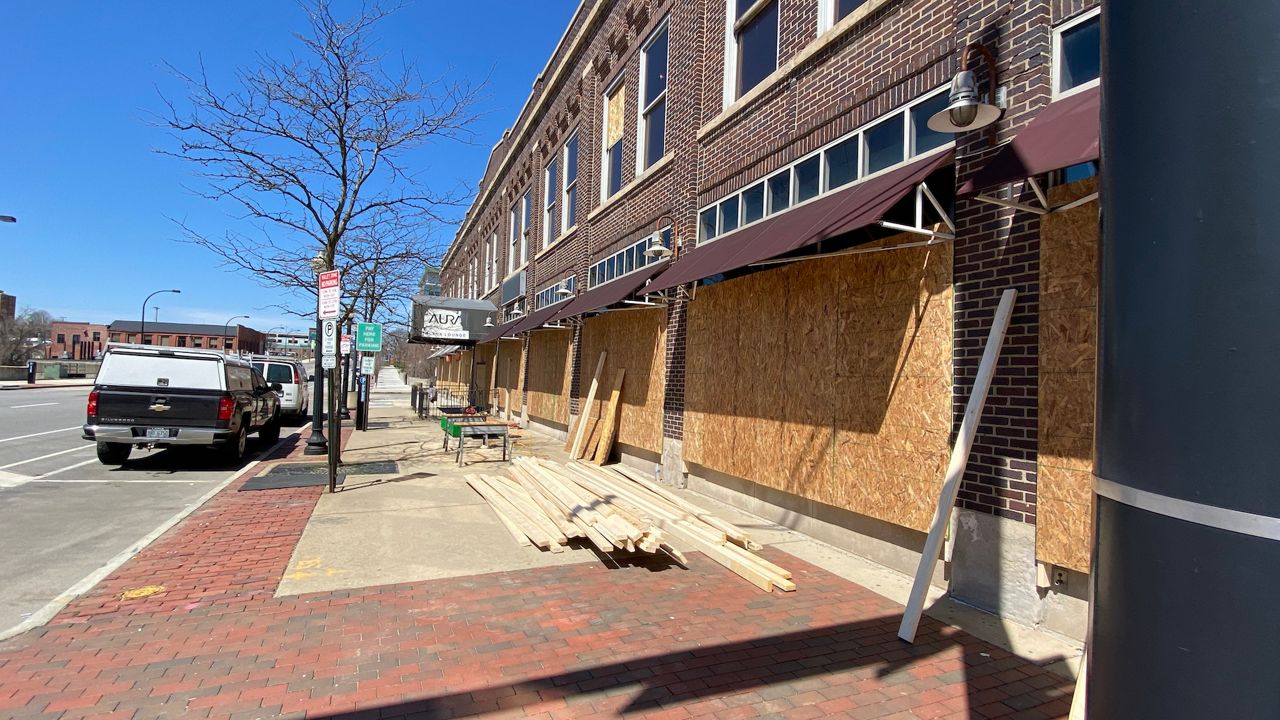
(45,457)
(51,473)
(19,407)
(46,432)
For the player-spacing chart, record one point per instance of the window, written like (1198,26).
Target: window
(615,108)
(182,341)
(526,228)
(552,222)
(97,336)
(653,95)
(842,163)
(571,182)
(808,174)
(197,342)
(115,337)
(831,12)
(887,141)
(753,203)
(62,339)
(779,191)
(146,340)
(884,144)
(552,295)
(514,239)
(1077,54)
(626,260)
(755,39)
(492,270)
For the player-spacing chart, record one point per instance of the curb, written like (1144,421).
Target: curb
(38,386)
(55,606)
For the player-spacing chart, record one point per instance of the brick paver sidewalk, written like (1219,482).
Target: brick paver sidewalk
(579,641)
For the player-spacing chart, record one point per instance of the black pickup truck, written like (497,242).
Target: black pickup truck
(146,395)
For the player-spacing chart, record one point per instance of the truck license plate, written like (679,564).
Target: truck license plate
(158,432)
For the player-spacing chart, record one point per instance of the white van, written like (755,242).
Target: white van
(295,383)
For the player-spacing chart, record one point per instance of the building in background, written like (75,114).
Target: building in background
(291,344)
(742,205)
(76,340)
(8,306)
(231,338)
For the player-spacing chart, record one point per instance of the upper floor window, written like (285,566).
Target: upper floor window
(526,229)
(653,94)
(551,224)
(513,240)
(615,107)
(884,143)
(491,272)
(754,34)
(562,290)
(570,192)
(626,260)
(1077,54)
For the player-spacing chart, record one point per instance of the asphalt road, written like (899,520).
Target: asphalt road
(63,515)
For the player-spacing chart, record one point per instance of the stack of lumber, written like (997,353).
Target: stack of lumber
(615,508)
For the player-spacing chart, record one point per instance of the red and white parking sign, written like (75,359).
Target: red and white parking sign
(330,294)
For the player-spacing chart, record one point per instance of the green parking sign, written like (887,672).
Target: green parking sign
(368,337)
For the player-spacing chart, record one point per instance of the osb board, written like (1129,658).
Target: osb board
(549,374)
(510,358)
(828,379)
(1068,360)
(634,340)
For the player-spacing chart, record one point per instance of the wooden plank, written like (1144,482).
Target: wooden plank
(524,502)
(610,429)
(539,537)
(511,527)
(955,470)
(730,530)
(585,411)
(548,506)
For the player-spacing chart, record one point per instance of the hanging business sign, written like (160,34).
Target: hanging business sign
(442,323)
(330,295)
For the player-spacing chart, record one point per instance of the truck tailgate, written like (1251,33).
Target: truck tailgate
(157,407)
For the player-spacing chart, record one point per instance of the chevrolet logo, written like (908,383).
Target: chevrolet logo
(158,407)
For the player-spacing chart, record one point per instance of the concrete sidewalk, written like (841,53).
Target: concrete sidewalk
(397,598)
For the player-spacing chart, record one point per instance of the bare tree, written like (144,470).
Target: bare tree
(314,150)
(24,337)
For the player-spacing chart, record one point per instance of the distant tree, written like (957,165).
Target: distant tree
(24,337)
(314,149)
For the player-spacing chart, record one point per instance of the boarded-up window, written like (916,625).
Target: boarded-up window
(615,111)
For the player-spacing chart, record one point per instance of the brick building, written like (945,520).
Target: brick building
(230,338)
(8,306)
(76,340)
(742,205)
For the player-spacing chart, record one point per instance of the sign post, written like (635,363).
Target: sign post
(328,310)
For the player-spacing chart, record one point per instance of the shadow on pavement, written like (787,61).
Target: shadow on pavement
(863,662)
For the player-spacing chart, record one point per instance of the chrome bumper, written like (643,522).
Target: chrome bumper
(124,434)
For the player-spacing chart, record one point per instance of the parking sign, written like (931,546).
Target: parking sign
(330,294)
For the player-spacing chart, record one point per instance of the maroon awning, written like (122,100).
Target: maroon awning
(538,317)
(827,217)
(611,292)
(1065,133)
(501,331)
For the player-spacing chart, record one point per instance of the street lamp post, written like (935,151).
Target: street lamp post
(142,333)
(317,443)
(226,327)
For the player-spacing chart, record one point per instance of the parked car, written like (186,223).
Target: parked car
(295,383)
(146,395)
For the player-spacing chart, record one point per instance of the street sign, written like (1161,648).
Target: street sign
(369,337)
(329,338)
(330,294)
(328,362)
(366,365)
(345,345)
(311,338)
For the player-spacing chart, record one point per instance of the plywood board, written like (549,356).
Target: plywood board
(829,380)
(1068,354)
(635,341)
(549,375)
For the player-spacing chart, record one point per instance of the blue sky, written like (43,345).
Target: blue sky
(93,199)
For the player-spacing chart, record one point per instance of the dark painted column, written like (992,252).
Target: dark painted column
(1186,610)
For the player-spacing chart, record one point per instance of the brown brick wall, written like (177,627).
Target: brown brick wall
(899,51)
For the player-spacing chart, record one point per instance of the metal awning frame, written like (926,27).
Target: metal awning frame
(1043,207)
(923,194)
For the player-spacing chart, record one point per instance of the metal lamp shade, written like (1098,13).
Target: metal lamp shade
(965,111)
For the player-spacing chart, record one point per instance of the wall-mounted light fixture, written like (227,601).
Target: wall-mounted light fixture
(488,321)
(656,248)
(966,109)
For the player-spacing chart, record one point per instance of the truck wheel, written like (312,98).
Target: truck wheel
(113,453)
(270,433)
(234,449)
